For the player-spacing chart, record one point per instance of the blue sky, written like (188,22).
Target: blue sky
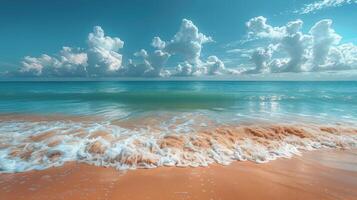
(32,28)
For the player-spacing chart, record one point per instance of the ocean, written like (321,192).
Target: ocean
(145,124)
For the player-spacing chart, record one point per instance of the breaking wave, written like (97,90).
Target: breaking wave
(189,141)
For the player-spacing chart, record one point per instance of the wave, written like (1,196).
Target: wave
(189,141)
(170,96)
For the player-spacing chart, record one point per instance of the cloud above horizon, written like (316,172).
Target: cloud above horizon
(276,49)
(323,4)
(68,62)
(287,49)
(188,43)
(100,58)
(103,55)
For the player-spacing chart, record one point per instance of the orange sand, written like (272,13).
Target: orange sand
(265,135)
(316,175)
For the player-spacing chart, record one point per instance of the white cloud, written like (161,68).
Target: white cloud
(36,66)
(103,56)
(324,37)
(342,57)
(288,39)
(184,69)
(290,50)
(100,58)
(323,4)
(187,42)
(260,57)
(212,66)
(294,43)
(158,43)
(69,62)
(147,65)
(274,49)
(258,28)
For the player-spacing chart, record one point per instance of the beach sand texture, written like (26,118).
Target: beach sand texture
(329,174)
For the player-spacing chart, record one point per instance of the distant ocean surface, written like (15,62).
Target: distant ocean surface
(126,124)
(234,100)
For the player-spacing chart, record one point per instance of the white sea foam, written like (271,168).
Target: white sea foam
(174,141)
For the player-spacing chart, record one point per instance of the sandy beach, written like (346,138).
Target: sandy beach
(328,174)
(178,100)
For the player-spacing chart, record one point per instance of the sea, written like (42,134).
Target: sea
(147,124)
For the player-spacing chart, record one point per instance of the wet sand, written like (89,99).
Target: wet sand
(327,174)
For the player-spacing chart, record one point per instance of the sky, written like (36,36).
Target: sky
(212,39)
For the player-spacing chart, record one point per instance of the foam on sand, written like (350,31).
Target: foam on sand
(27,145)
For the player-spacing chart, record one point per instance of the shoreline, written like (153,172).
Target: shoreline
(321,174)
(162,141)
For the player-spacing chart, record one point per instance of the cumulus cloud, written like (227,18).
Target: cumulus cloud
(288,39)
(184,69)
(291,50)
(294,43)
(275,49)
(323,4)
(258,28)
(342,57)
(324,37)
(100,58)
(260,57)
(103,56)
(212,66)
(69,62)
(158,43)
(147,65)
(187,42)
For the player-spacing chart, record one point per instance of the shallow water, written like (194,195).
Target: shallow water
(150,124)
(239,100)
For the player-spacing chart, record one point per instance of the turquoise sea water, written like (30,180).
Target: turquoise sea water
(148,124)
(231,100)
